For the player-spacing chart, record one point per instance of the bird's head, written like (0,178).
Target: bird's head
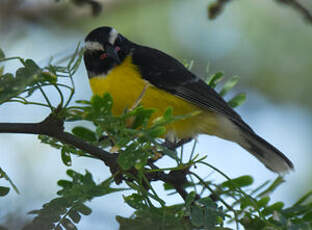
(104,49)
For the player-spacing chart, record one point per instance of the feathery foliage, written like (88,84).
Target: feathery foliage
(131,149)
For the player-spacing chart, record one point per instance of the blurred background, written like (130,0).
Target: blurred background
(267,44)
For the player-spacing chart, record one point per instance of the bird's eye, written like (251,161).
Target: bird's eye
(117,48)
(103,56)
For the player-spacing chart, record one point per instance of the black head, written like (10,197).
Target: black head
(105,48)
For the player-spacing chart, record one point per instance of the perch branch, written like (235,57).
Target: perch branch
(54,127)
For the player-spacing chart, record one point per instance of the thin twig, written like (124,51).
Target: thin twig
(306,14)
(175,178)
(216,8)
(45,97)
(139,99)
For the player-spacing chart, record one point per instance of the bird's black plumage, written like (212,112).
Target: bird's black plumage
(165,72)
(168,74)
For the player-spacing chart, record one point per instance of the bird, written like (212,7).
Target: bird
(129,72)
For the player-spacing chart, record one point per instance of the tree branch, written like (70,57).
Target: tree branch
(176,178)
(299,8)
(54,127)
(216,8)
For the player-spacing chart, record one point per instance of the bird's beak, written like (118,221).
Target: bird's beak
(112,53)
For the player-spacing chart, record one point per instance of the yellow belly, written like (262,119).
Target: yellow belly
(125,85)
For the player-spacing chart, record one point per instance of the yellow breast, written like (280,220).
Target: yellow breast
(125,85)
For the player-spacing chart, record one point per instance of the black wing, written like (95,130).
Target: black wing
(167,73)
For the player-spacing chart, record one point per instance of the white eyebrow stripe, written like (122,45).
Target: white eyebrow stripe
(113,34)
(89,45)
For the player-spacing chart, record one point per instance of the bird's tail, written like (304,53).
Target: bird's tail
(238,131)
(270,156)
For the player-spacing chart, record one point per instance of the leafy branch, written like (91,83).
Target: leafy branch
(130,146)
(69,207)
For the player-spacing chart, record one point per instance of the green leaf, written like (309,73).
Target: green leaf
(76,64)
(263,202)
(168,113)
(26,78)
(142,116)
(141,162)
(70,204)
(73,174)
(1,70)
(132,156)
(214,79)
(65,184)
(102,104)
(74,215)
(246,202)
(50,77)
(4,175)
(253,223)
(168,186)
(135,201)
(260,187)
(83,209)
(157,131)
(73,58)
(308,216)
(155,219)
(237,100)
(274,207)
(297,210)
(2,55)
(83,102)
(84,133)
(167,117)
(197,216)
(241,181)
(204,213)
(66,158)
(229,85)
(4,190)
(189,199)
(31,66)
(126,161)
(303,198)
(7,77)
(29,71)
(67,224)
(277,182)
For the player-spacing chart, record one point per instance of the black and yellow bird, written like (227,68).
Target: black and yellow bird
(129,71)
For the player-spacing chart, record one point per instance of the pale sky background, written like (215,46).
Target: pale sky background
(35,167)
